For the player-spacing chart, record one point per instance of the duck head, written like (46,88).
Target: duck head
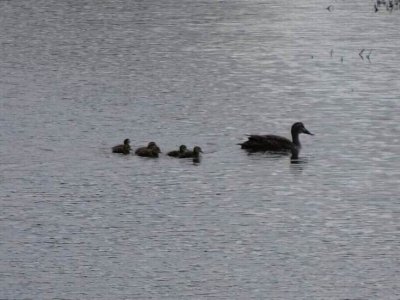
(126,144)
(299,127)
(182,148)
(153,146)
(197,150)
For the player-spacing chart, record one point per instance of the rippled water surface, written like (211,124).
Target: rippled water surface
(78,222)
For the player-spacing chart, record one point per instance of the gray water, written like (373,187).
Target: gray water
(78,222)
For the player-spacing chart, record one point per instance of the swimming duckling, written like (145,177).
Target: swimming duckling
(124,148)
(177,153)
(152,150)
(192,154)
(277,143)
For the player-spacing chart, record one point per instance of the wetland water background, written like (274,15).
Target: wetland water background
(77,222)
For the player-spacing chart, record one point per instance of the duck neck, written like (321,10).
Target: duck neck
(295,138)
(297,145)
(295,153)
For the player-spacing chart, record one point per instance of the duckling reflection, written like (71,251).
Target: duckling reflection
(274,143)
(196,160)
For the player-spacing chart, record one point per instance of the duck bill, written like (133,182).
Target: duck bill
(307,132)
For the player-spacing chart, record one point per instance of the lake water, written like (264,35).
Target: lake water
(78,222)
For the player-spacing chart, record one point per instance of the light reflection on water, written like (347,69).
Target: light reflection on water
(80,222)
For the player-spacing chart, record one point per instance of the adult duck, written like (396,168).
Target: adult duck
(151,150)
(125,148)
(177,153)
(277,143)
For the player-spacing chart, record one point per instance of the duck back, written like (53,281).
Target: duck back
(146,152)
(124,149)
(174,153)
(268,143)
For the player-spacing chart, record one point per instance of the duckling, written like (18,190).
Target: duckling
(124,148)
(153,145)
(152,150)
(277,143)
(192,154)
(177,153)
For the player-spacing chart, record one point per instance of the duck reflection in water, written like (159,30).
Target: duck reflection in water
(196,160)
(297,166)
(277,144)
